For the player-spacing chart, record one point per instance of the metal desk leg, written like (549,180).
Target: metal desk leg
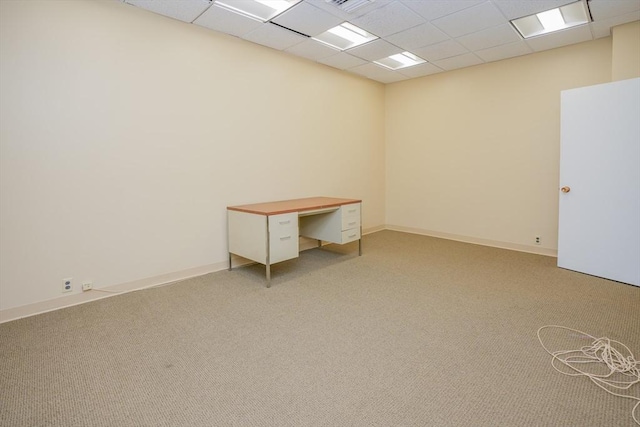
(268,263)
(360,247)
(229,261)
(268,266)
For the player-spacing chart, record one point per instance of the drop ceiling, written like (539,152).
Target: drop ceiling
(447,34)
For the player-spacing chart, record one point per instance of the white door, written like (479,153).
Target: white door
(599,223)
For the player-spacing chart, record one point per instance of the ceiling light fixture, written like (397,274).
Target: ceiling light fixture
(557,19)
(345,36)
(262,10)
(400,60)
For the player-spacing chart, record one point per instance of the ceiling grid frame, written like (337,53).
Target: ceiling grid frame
(448,34)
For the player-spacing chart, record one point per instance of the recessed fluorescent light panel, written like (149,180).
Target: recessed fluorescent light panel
(552,20)
(400,60)
(345,36)
(262,10)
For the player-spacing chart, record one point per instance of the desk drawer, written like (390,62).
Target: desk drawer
(350,235)
(349,210)
(351,216)
(283,237)
(350,222)
(283,223)
(282,248)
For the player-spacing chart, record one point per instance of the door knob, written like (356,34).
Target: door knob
(565,189)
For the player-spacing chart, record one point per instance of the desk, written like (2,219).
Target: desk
(268,233)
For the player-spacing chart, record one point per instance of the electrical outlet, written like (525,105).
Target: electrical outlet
(87,286)
(67,284)
(537,240)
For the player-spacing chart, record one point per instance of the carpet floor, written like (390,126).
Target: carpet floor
(417,331)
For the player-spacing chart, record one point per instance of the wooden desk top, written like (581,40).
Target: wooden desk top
(295,205)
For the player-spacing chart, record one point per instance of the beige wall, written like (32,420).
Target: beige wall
(626,51)
(126,134)
(473,154)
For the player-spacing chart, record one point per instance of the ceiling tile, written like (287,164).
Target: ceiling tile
(573,35)
(307,19)
(378,73)
(450,34)
(604,9)
(602,28)
(374,50)
(219,19)
(494,36)
(470,20)
(446,49)
(311,49)
(434,9)
(388,20)
(330,7)
(422,35)
(273,36)
(504,51)
(420,70)
(185,10)
(461,61)
(342,61)
(513,9)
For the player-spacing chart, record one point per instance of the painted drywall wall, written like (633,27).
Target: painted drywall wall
(473,154)
(124,135)
(626,51)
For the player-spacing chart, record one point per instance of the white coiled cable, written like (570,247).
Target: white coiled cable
(603,352)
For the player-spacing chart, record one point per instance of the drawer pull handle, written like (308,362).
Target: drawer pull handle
(353,223)
(285,222)
(351,235)
(352,211)
(285,238)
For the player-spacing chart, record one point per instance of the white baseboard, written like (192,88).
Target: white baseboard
(14,313)
(373,229)
(108,291)
(538,250)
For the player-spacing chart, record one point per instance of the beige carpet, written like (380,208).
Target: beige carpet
(416,332)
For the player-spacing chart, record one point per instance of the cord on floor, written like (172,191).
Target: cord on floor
(602,351)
